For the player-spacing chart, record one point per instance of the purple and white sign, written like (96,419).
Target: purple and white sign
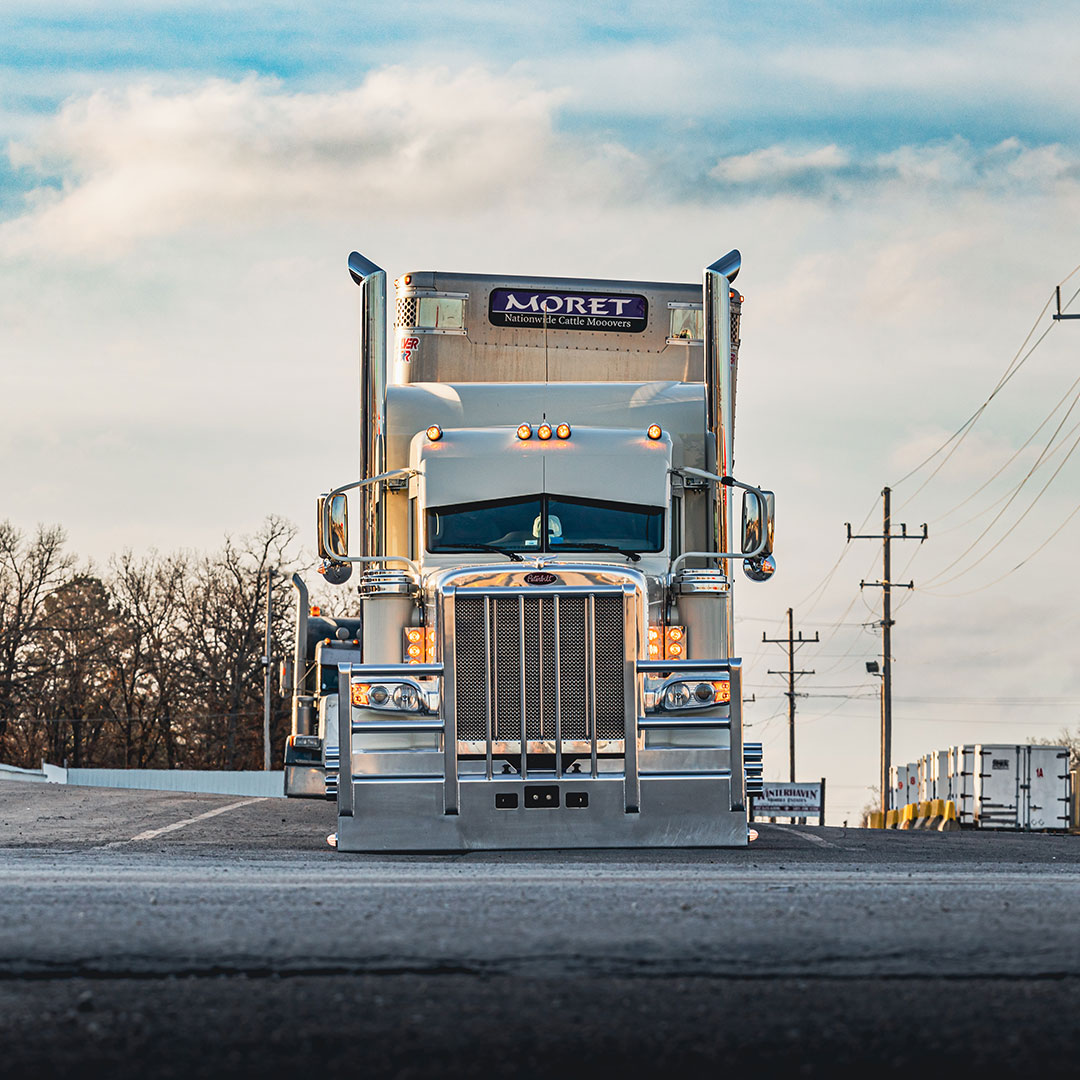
(625,313)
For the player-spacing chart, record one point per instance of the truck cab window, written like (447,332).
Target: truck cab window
(546,523)
(582,523)
(506,524)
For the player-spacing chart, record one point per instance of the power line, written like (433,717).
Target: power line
(1008,532)
(1014,365)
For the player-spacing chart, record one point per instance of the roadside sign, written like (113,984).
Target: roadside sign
(791,800)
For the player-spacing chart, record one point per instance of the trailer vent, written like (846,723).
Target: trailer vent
(518,654)
(405,311)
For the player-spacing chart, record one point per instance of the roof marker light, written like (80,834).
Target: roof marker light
(524,432)
(654,431)
(434,433)
(563,431)
(543,432)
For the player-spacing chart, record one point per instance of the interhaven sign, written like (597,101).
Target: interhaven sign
(800,800)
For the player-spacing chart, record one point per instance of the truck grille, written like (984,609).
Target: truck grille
(515,653)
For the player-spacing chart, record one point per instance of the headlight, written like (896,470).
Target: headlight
(408,697)
(679,695)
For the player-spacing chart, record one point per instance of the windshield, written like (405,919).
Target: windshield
(545,523)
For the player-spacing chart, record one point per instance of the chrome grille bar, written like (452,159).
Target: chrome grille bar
(590,681)
(524,715)
(489,718)
(558,694)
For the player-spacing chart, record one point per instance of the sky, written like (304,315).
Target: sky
(181,183)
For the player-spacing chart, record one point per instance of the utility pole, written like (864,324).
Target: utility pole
(792,644)
(266,673)
(886,585)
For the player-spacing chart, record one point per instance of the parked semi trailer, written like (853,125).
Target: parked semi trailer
(543,541)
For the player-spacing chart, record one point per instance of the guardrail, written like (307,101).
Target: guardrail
(447,725)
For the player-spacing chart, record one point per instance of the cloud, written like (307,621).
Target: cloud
(953,164)
(779,163)
(119,166)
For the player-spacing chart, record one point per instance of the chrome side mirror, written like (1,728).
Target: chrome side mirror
(758,521)
(759,569)
(333,527)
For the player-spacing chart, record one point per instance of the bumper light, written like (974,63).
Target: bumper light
(407,697)
(686,695)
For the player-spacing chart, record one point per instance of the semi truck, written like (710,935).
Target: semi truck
(544,532)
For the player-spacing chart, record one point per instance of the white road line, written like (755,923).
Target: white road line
(150,834)
(805,836)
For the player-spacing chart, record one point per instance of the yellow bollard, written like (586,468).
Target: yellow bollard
(907,818)
(891,819)
(949,822)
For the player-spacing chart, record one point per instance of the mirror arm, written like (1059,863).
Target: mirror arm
(350,487)
(727,481)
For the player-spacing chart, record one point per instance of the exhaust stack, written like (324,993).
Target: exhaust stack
(372,282)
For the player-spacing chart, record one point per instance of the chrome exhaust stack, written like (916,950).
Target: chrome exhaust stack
(372,282)
(720,361)
(303,720)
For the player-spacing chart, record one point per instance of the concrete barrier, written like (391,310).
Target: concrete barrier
(949,821)
(892,819)
(937,814)
(907,817)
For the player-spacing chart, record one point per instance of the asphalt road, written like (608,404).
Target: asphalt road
(156,934)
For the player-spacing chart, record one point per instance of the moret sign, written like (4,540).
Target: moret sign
(626,313)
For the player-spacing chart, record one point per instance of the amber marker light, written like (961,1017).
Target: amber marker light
(654,431)
(524,432)
(414,645)
(563,431)
(360,693)
(434,433)
(674,643)
(543,432)
(315,611)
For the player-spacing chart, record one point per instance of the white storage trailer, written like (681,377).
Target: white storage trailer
(543,655)
(962,782)
(1021,787)
(1048,785)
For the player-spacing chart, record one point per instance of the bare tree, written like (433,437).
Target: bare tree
(30,570)
(159,663)
(72,656)
(223,607)
(152,655)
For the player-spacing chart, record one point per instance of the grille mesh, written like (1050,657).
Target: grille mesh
(405,311)
(513,620)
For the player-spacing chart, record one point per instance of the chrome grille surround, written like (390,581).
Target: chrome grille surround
(541,657)
(607,647)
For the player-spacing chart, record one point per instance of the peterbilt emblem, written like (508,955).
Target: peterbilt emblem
(541,577)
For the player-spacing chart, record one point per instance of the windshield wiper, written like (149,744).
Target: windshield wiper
(633,556)
(513,556)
